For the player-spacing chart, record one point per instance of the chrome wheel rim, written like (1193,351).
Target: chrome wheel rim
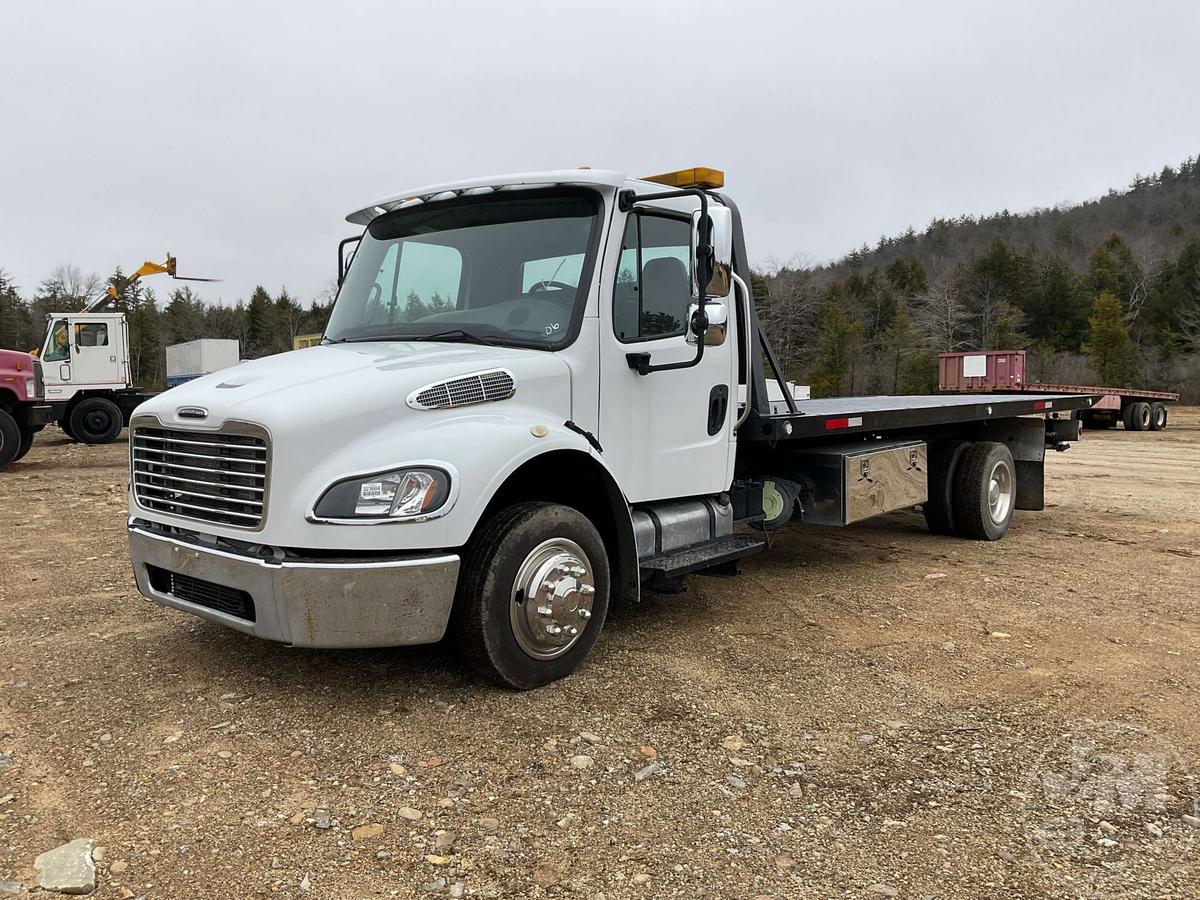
(1000,491)
(552,597)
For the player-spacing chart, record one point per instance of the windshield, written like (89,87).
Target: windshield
(504,269)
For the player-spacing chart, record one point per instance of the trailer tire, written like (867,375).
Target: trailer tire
(1127,416)
(10,439)
(96,420)
(1140,416)
(780,497)
(944,459)
(985,492)
(543,550)
(1158,416)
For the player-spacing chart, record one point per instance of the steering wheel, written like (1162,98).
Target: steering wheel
(540,286)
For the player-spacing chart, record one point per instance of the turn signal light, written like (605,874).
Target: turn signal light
(699,177)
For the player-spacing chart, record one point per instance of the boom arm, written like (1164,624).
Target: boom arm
(114,291)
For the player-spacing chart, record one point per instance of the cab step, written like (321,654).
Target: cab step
(716,557)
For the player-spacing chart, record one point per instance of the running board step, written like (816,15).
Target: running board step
(720,555)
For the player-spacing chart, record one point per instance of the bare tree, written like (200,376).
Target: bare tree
(942,315)
(74,286)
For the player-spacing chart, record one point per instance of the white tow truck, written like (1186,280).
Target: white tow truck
(525,407)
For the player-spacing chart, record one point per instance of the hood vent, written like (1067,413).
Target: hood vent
(478,387)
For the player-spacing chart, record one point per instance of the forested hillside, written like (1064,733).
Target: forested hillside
(1108,291)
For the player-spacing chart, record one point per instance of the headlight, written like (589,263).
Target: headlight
(399,494)
(31,389)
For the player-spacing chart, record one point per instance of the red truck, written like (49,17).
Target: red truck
(23,410)
(1003,371)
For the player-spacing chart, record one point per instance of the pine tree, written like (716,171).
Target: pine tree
(1108,344)
(832,371)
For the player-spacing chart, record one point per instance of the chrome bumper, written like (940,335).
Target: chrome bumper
(347,603)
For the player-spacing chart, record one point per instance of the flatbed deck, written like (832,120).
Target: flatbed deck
(839,416)
(1038,388)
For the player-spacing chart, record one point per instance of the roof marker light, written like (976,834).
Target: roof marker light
(698,177)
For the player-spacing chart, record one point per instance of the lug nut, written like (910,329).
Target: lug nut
(545,611)
(571,630)
(585,614)
(587,590)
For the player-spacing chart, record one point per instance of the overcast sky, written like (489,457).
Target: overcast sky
(238,135)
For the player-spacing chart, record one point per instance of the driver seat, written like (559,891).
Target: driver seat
(666,294)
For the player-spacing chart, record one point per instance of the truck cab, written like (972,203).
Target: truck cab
(23,411)
(526,404)
(85,357)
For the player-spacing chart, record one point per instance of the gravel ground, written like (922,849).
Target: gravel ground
(867,712)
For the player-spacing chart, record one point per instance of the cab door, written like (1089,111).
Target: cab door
(95,353)
(667,433)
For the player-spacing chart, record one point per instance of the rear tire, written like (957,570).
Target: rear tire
(532,553)
(95,420)
(10,439)
(1158,416)
(944,459)
(985,492)
(1141,416)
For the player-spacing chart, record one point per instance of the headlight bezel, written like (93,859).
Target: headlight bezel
(338,515)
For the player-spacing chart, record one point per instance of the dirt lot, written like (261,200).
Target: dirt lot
(867,712)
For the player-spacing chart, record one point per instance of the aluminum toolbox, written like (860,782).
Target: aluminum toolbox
(852,482)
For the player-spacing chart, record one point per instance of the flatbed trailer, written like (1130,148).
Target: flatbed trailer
(570,430)
(1004,370)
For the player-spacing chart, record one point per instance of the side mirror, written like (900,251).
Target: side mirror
(716,315)
(713,271)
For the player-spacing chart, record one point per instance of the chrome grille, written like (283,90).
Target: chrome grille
(481,387)
(209,476)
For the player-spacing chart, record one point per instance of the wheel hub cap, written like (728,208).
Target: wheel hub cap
(1000,492)
(552,598)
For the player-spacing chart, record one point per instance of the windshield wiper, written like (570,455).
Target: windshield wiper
(457,333)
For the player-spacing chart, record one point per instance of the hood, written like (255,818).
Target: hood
(351,385)
(10,358)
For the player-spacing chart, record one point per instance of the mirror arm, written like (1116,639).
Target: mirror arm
(640,362)
(342,256)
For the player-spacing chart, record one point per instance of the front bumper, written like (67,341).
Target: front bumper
(335,603)
(37,416)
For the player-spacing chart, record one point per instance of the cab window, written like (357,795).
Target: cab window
(414,280)
(654,278)
(58,347)
(91,334)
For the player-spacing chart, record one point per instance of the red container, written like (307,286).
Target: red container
(983,370)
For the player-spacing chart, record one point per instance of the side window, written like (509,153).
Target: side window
(415,280)
(58,347)
(91,334)
(654,279)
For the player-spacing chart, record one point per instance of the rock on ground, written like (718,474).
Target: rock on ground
(68,869)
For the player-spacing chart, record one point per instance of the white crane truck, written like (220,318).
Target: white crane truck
(524,407)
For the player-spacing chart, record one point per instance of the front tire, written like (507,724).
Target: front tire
(96,420)
(985,492)
(532,595)
(25,444)
(10,439)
